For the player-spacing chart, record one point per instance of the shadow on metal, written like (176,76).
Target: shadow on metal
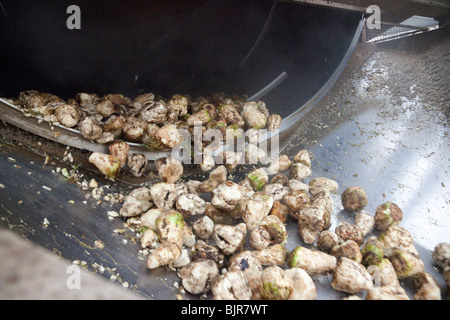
(286,54)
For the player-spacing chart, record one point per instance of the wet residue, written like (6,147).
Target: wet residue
(386,128)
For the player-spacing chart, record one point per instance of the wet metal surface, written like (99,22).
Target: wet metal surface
(40,205)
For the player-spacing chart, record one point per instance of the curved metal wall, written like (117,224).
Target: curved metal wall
(167,47)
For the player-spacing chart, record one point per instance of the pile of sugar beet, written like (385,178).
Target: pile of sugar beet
(227,237)
(234,244)
(148,119)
